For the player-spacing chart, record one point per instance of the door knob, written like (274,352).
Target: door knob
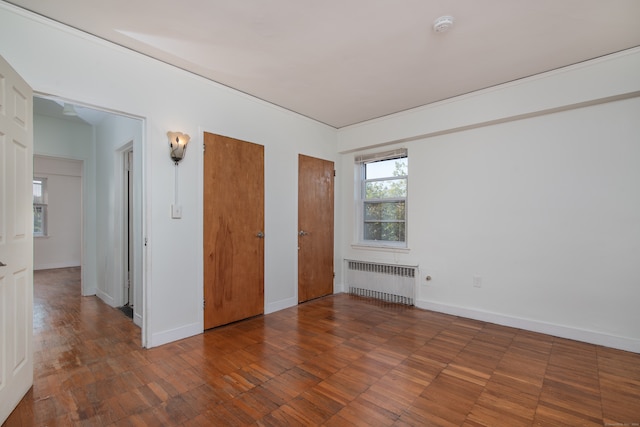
(260,234)
(302,233)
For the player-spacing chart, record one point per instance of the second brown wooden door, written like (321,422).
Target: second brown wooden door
(315,227)
(233,230)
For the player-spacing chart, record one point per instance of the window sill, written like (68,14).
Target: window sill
(380,248)
(46,236)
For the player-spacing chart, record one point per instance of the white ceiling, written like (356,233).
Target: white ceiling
(346,61)
(55,108)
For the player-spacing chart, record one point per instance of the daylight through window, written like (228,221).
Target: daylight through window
(39,207)
(384,198)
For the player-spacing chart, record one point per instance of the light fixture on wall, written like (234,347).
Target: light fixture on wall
(178,146)
(178,143)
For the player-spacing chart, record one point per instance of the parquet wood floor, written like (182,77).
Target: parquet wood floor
(336,361)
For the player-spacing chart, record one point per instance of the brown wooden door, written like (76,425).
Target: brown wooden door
(233,230)
(315,227)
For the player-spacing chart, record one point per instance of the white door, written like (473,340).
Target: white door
(16,239)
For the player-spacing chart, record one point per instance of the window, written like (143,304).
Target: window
(39,207)
(383,198)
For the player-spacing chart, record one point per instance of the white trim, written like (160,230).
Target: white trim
(164,337)
(49,266)
(145,231)
(382,247)
(577,334)
(280,305)
(198,140)
(501,86)
(108,299)
(379,156)
(120,252)
(137,320)
(599,80)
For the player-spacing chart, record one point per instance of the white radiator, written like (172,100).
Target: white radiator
(388,282)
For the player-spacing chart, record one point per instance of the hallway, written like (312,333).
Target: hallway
(339,360)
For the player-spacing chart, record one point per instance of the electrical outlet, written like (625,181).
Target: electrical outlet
(176,211)
(477,281)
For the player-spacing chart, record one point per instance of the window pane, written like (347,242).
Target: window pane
(392,188)
(384,231)
(384,211)
(38,196)
(386,168)
(38,220)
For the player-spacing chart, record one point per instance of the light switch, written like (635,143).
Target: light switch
(176,211)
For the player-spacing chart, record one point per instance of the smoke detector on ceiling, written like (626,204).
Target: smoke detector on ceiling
(442,24)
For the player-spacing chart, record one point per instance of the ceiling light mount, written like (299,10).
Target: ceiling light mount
(69,110)
(442,24)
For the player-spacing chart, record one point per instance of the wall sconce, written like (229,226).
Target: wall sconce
(178,142)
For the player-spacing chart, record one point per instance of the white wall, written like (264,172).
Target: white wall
(61,247)
(64,139)
(535,187)
(63,62)
(114,135)
(528,185)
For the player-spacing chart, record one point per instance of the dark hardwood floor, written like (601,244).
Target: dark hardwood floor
(335,361)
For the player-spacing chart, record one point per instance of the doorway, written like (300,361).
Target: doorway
(315,227)
(233,235)
(57,198)
(16,240)
(128,295)
(112,253)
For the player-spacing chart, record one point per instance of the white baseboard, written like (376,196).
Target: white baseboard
(137,319)
(108,299)
(53,265)
(164,337)
(280,305)
(592,337)
(292,302)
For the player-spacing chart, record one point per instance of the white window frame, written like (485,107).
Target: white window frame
(41,204)
(360,190)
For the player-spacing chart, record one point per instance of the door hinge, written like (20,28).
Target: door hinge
(145,241)
(334,274)
(334,172)
(204,147)
(204,303)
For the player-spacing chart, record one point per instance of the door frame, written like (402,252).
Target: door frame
(301,238)
(201,200)
(199,142)
(137,207)
(123,205)
(143,182)
(82,197)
